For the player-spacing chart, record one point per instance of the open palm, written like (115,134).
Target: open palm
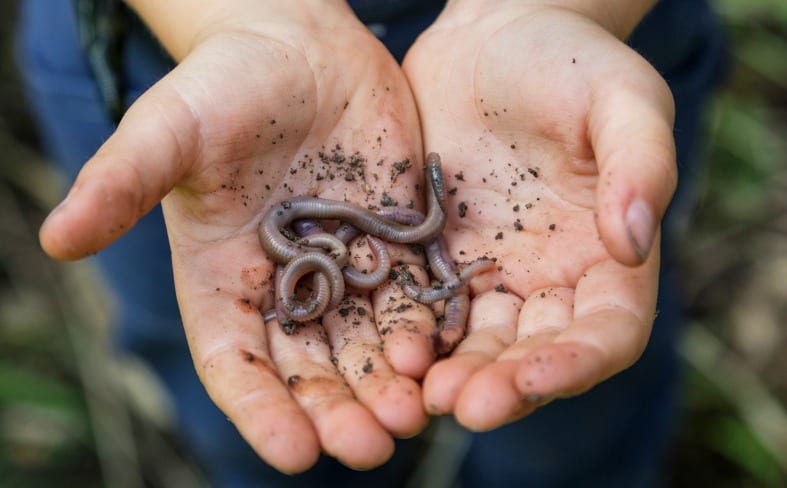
(556,142)
(252,116)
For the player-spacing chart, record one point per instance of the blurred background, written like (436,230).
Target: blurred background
(74,414)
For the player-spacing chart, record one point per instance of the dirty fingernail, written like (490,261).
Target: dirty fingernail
(640,227)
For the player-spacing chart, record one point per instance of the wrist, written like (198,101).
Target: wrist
(180,25)
(619,17)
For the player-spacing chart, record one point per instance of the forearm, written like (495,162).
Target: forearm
(619,17)
(180,24)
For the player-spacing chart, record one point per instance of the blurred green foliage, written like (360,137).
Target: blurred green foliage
(735,428)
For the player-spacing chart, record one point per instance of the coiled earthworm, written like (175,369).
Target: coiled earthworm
(306,228)
(328,284)
(370,281)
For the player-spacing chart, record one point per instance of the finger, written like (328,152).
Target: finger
(547,309)
(491,398)
(500,401)
(613,316)
(630,128)
(545,314)
(230,351)
(491,329)
(142,161)
(346,429)
(405,326)
(395,400)
(228,343)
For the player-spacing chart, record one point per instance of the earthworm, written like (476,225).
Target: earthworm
(311,234)
(440,263)
(281,249)
(337,249)
(457,307)
(454,286)
(306,227)
(277,312)
(370,281)
(448,287)
(304,255)
(454,291)
(269,315)
(454,324)
(328,286)
(345,233)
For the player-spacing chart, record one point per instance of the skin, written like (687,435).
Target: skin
(597,131)
(565,159)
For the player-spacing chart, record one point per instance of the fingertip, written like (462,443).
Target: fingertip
(52,241)
(97,211)
(445,379)
(632,138)
(407,417)
(440,390)
(357,440)
(395,401)
(69,231)
(410,353)
(406,328)
(490,399)
(290,446)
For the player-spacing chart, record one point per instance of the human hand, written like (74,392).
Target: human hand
(558,141)
(268,101)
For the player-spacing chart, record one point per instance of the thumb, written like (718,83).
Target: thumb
(630,128)
(133,170)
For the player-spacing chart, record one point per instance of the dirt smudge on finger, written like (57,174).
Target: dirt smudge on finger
(245,306)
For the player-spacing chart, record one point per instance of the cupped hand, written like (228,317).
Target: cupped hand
(557,145)
(265,106)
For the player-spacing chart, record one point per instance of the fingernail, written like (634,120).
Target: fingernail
(640,227)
